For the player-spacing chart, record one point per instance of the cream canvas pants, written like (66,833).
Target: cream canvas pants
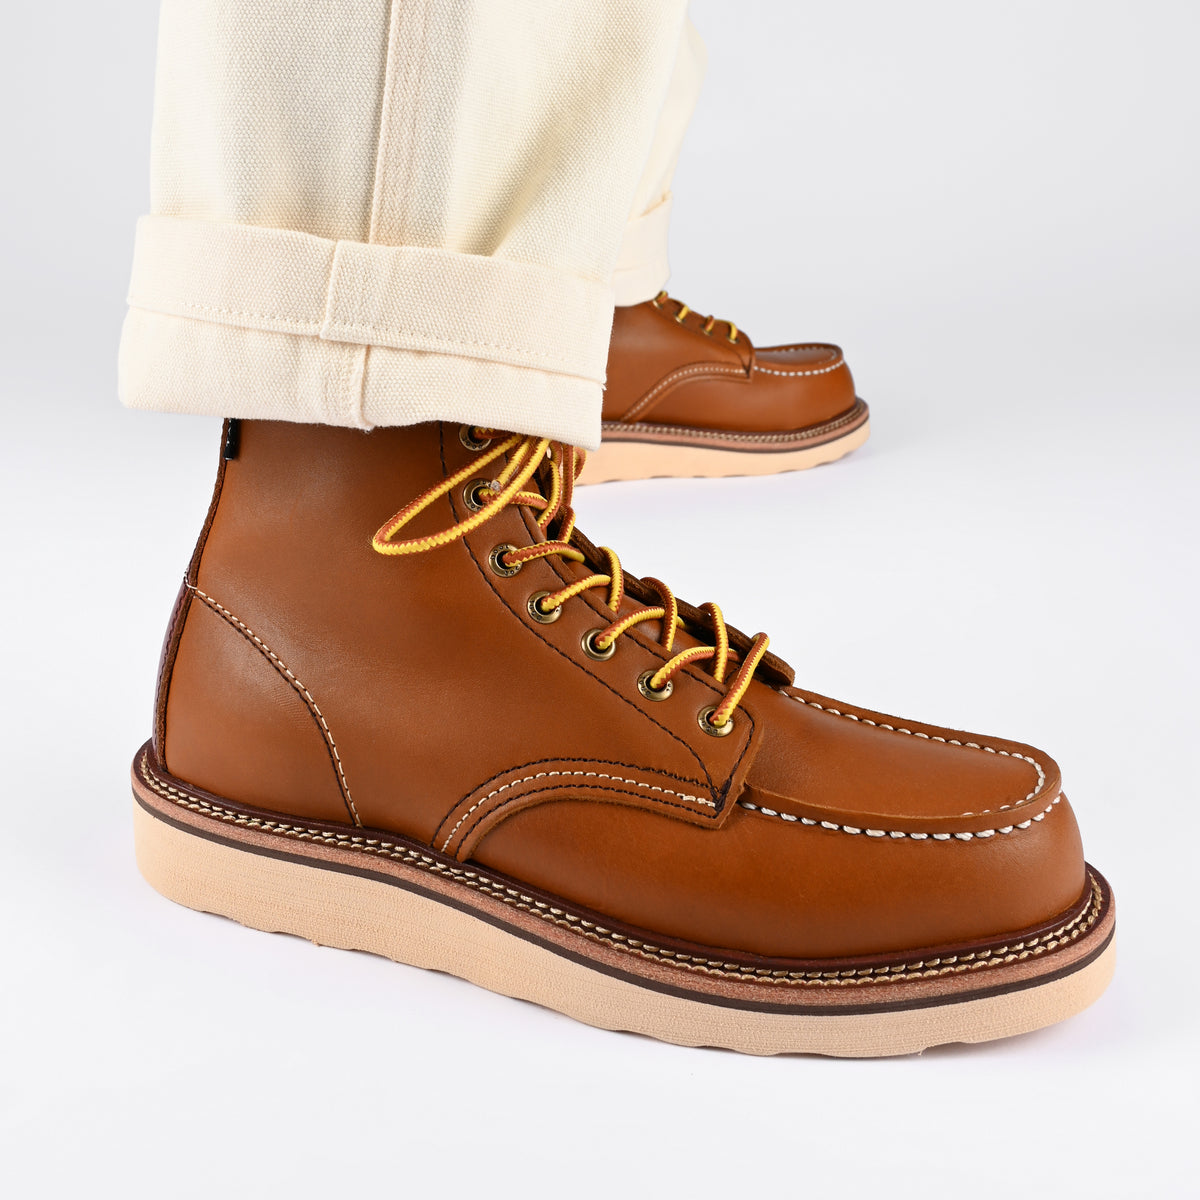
(370,213)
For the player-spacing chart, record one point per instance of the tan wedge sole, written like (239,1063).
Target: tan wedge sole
(389,897)
(662,452)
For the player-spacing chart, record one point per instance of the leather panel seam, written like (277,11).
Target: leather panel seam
(633,413)
(589,787)
(170,652)
(282,668)
(563,773)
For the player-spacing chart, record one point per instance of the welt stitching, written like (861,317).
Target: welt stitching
(299,687)
(929,968)
(549,788)
(704,369)
(806,433)
(981,834)
(933,737)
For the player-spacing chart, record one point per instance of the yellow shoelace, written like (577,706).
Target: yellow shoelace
(525,455)
(681,315)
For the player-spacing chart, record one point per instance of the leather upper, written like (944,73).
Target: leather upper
(309,675)
(703,374)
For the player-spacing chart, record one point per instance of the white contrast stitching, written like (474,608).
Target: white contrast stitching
(588,774)
(796,374)
(805,434)
(930,968)
(898,833)
(837,366)
(835,350)
(299,687)
(933,737)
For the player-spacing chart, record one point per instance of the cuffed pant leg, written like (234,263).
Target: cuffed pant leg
(371,213)
(642,267)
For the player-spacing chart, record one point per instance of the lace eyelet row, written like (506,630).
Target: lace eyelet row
(590,640)
(707,328)
(524,456)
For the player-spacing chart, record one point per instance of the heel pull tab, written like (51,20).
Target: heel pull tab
(233,439)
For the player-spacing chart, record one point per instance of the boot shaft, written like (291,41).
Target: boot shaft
(308,674)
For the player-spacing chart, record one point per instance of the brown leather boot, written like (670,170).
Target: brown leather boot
(690,395)
(461,737)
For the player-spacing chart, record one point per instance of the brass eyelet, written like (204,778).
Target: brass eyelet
(538,613)
(702,719)
(464,436)
(470,497)
(654,693)
(588,642)
(499,566)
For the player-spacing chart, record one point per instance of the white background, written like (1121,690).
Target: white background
(994,209)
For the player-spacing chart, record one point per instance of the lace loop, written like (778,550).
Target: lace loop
(525,460)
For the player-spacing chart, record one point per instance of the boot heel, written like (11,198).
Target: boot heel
(205,875)
(273,893)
